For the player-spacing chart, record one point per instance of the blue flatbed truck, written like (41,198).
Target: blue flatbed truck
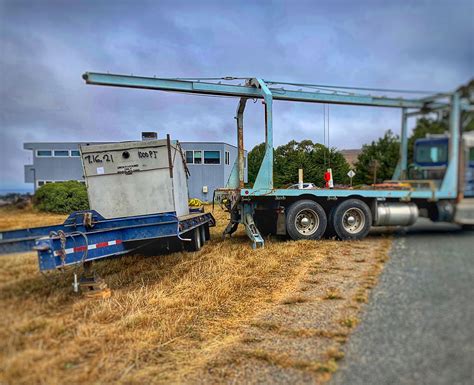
(443,189)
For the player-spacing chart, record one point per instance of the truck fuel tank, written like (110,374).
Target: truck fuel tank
(396,214)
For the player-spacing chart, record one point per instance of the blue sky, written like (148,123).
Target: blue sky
(47,45)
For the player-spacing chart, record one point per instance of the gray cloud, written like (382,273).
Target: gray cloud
(46,46)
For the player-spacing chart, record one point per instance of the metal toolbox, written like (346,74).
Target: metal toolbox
(136,178)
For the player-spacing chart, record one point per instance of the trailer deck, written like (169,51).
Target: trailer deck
(86,236)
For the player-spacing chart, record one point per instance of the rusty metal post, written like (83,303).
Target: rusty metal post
(170,161)
(240,140)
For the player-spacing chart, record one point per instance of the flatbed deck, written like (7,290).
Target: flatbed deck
(86,236)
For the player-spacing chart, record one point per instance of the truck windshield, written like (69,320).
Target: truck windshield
(431,153)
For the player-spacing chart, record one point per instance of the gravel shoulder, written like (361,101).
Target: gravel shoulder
(418,327)
(299,339)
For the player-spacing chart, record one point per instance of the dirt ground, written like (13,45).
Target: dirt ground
(223,314)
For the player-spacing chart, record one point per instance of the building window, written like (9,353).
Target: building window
(61,152)
(227,157)
(75,153)
(194,157)
(212,157)
(245,162)
(189,157)
(40,183)
(198,157)
(44,153)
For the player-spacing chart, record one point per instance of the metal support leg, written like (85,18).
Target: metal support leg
(240,140)
(264,178)
(250,227)
(237,174)
(450,180)
(92,285)
(233,224)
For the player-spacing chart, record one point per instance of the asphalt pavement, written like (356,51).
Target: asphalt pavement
(418,327)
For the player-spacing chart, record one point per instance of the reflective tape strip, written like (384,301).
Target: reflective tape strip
(90,247)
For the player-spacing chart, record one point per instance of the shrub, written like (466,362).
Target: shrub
(61,197)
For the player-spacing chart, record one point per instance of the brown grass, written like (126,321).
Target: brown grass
(168,314)
(333,293)
(12,219)
(286,361)
(295,298)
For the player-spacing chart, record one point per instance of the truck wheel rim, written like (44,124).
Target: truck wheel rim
(307,222)
(353,220)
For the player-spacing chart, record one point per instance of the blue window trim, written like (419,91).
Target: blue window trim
(61,156)
(44,156)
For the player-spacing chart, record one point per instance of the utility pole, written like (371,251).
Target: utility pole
(375,164)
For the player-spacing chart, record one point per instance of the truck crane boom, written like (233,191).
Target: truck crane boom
(255,88)
(264,197)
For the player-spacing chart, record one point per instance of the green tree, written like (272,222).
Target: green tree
(313,158)
(254,160)
(378,159)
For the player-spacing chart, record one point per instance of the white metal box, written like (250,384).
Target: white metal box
(136,178)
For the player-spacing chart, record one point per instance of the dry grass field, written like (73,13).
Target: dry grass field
(172,317)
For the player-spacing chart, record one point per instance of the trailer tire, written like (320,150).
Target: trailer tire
(195,243)
(202,233)
(306,219)
(330,232)
(207,232)
(351,219)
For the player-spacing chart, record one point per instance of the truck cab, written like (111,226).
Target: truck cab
(431,156)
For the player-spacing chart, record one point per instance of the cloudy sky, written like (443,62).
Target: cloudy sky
(45,46)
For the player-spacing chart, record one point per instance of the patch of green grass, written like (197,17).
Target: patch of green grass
(285,361)
(335,353)
(294,299)
(349,322)
(333,293)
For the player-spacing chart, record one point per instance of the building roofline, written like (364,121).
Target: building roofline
(203,141)
(86,142)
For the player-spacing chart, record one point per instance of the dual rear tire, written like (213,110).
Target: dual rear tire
(198,236)
(349,220)
(306,219)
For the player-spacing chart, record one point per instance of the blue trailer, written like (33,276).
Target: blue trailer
(86,236)
(444,193)
(139,202)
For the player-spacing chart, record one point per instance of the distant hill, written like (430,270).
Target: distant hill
(351,155)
